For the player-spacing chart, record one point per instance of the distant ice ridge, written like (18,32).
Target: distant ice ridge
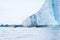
(45,16)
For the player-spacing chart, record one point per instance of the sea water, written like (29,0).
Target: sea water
(33,33)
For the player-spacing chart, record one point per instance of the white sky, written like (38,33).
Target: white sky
(15,11)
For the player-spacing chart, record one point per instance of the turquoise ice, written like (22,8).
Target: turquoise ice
(56,9)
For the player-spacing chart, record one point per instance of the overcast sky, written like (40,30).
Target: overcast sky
(15,11)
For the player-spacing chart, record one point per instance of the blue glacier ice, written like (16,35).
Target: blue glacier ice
(47,15)
(56,9)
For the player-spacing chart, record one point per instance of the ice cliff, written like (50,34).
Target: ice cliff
(45,16)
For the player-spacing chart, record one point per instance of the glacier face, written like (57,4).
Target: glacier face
(56,8)
(45,16)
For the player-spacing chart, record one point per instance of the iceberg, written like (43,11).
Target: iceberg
(45,16)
